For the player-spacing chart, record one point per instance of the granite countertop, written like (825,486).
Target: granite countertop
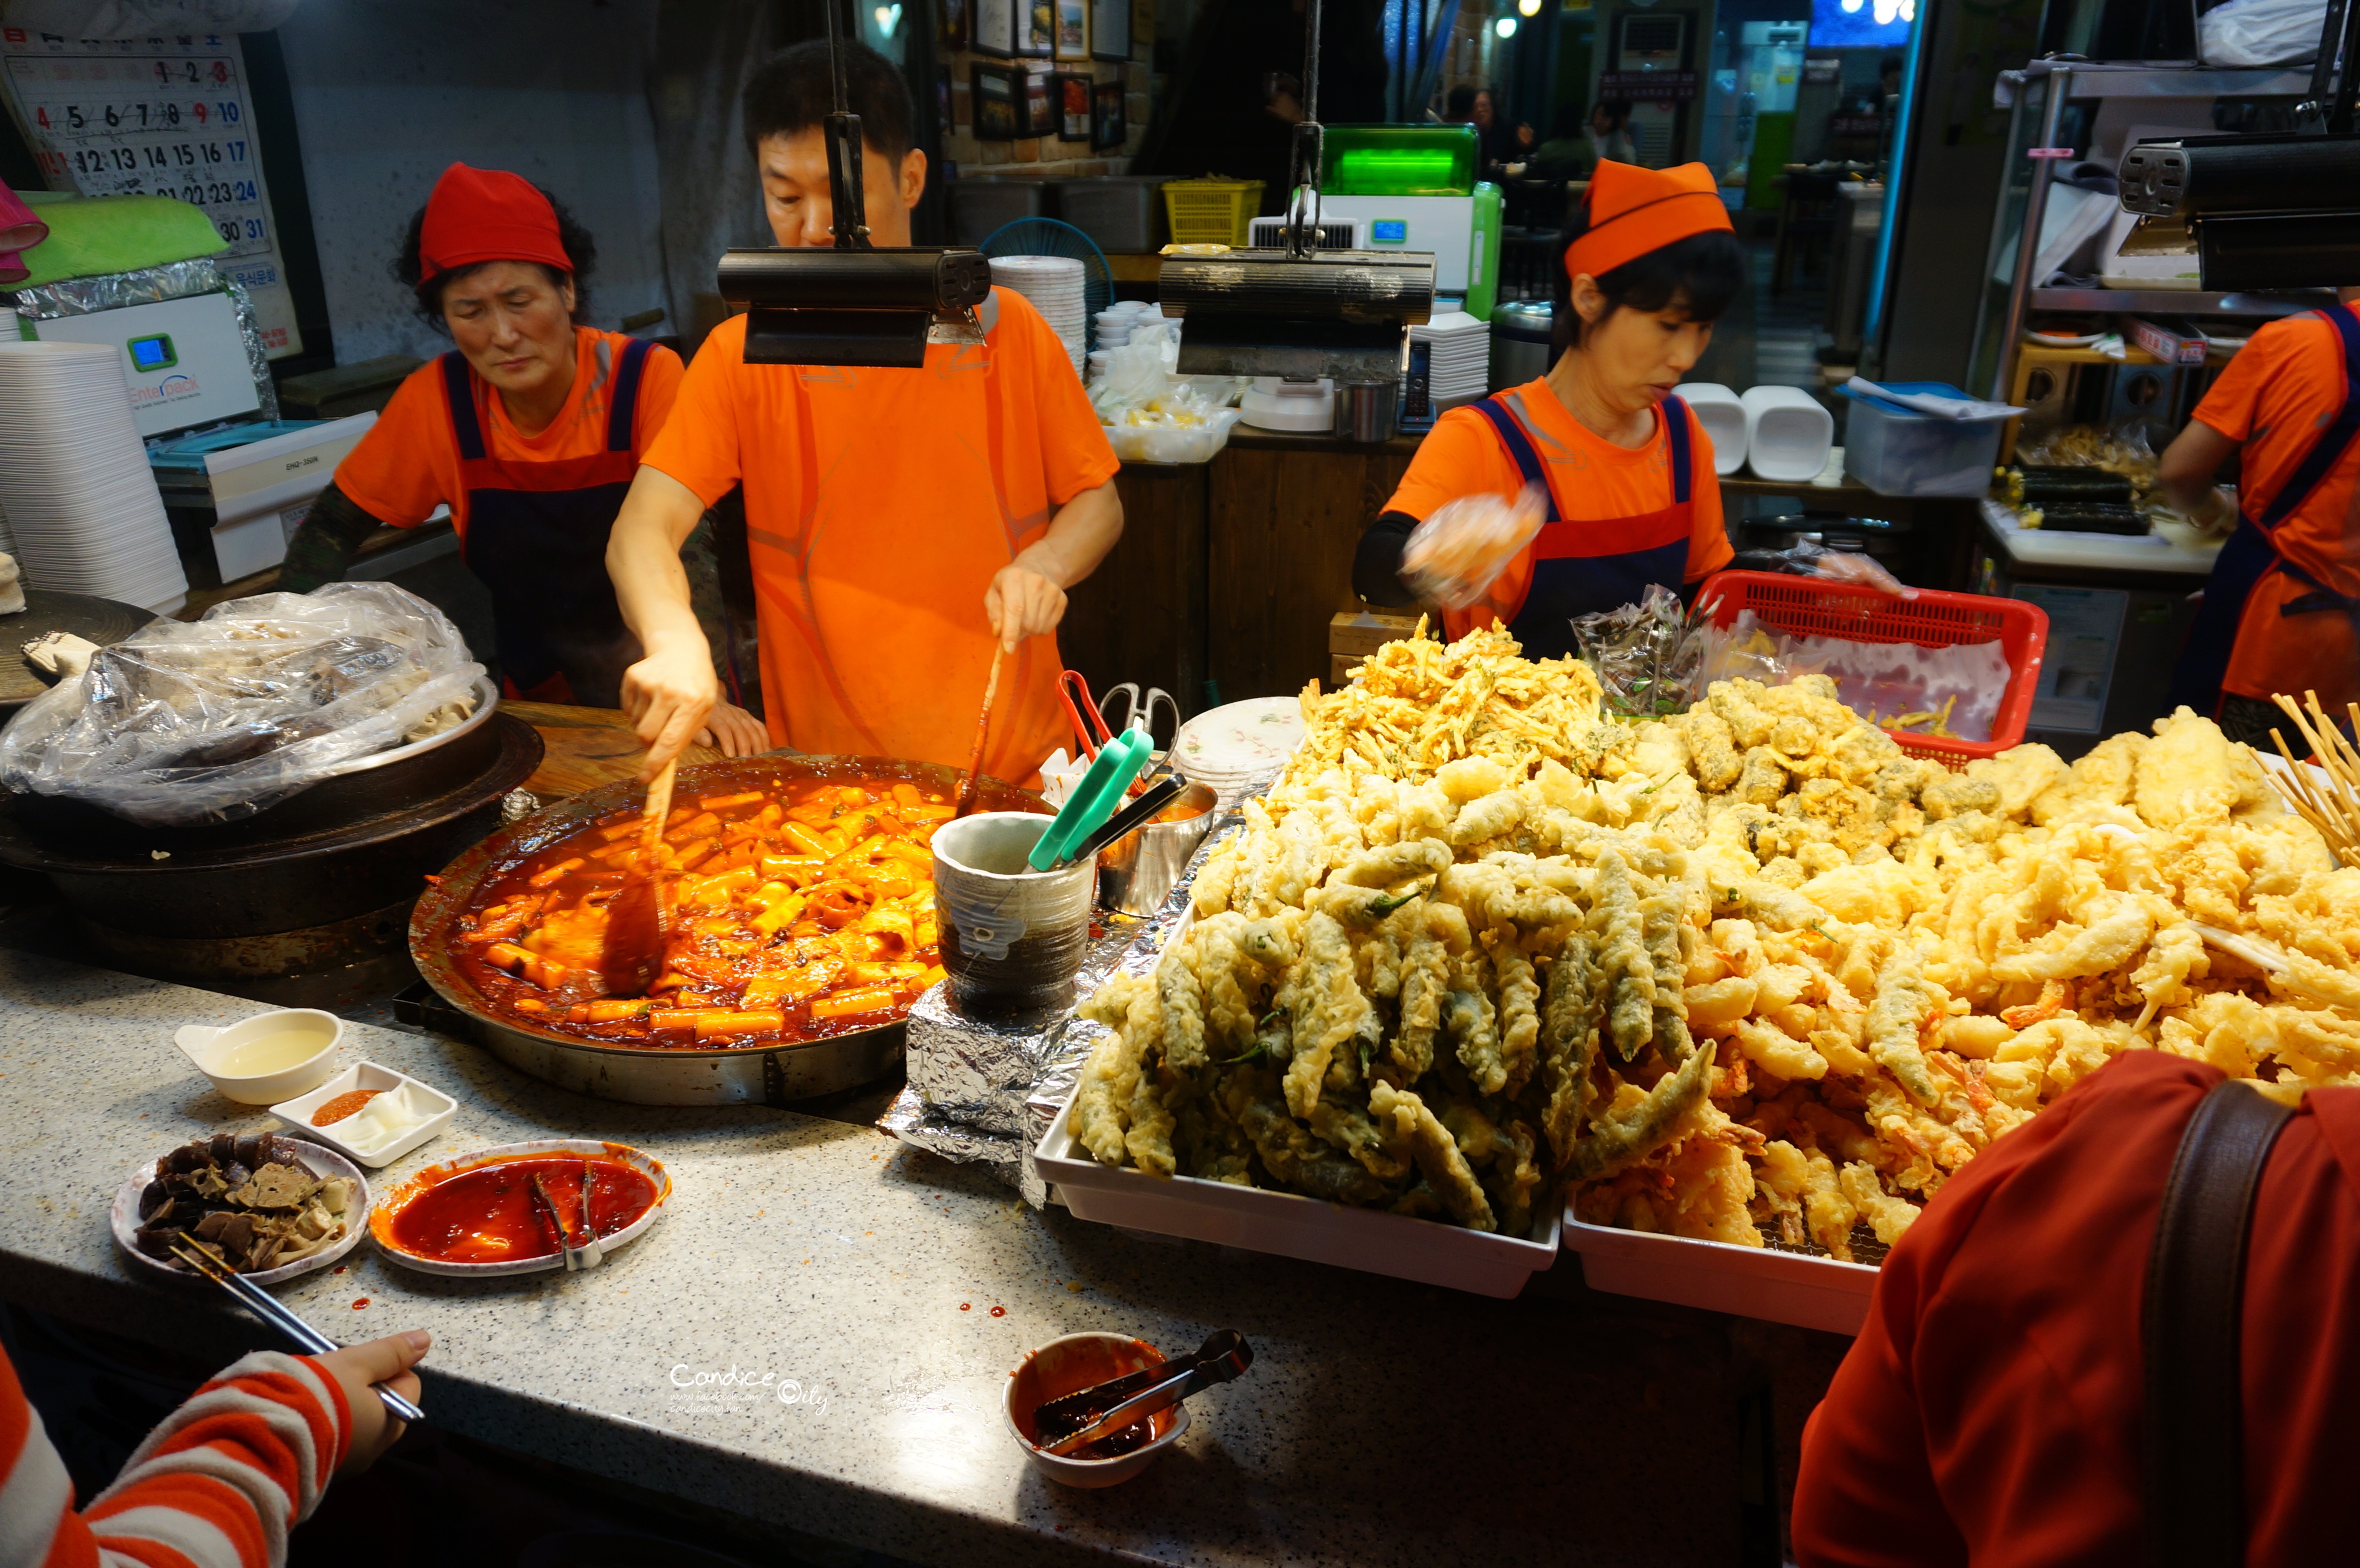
(1383,1423)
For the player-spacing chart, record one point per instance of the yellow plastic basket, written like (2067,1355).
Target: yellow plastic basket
(1211,211)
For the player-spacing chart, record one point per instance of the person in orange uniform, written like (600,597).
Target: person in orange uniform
(1650,264)
(1991,1410)
(2280,608)
(530,430)
(901,522)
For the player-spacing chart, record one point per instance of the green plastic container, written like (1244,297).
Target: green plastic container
(1399,160)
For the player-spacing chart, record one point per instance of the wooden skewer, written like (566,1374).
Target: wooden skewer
(970,785)
(2329,798)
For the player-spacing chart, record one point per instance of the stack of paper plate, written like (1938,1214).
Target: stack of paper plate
(1238,749)
(74,480)
(1054,284)
(1459,363)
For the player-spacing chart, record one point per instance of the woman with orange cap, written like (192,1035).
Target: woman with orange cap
(529,430)
(1620,467)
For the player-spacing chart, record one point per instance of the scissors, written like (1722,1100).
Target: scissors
(1139,709)
(1091,731)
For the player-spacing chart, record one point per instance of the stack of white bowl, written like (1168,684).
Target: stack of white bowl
(1458,358)
(1055,285)
(1119,320)
(74,482)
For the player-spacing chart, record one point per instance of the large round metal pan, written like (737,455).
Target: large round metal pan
(776,1074)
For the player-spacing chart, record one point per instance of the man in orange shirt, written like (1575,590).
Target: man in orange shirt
(899,521)
(2280,607)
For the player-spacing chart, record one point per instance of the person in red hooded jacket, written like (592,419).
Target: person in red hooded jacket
(1991,1411)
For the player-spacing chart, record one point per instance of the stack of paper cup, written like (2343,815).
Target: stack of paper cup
(74,482)
(1055,285)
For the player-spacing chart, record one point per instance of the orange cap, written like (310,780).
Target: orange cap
(1634,211)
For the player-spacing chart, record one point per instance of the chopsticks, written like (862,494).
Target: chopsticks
(2332,806)
(198,1255)
(972,782)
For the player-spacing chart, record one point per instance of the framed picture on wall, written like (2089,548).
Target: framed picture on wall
(1107,126)
(1109,29)
(1036,29)
(993,25)
(1040,115)
(996,101)
(944,121)
(1072,96)
(1072,29)
(951,27)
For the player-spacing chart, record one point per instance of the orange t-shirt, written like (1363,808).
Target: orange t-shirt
(878,506)
(2274,397)
(1591,478)
(407,464)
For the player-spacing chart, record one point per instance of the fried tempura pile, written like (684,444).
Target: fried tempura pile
(1751,974)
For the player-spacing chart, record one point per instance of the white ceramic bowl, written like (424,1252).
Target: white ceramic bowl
(206,1047)
(1047,1375)
(380,1221)
(297,1113)
(124,1215)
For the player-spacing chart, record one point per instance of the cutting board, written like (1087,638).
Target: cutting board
(587,747)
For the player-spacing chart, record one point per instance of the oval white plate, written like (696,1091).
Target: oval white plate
(380,1222)
(322,1163)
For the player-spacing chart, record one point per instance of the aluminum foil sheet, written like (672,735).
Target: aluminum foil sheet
(146,286)
(984,1090)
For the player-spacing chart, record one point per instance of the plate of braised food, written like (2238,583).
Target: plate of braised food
(275,1207)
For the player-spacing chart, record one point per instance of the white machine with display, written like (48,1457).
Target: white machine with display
(1443,224)
(185,359)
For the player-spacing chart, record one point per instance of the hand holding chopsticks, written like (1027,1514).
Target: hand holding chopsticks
(200,1257)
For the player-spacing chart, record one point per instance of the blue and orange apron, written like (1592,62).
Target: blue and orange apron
(2252,555)
(535,535)
(1578,567)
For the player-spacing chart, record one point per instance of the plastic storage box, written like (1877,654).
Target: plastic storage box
(1897,452)
(1787,434)
(1119,211)
(1211,211)
(979,206)
(1811,607)
(1723,414)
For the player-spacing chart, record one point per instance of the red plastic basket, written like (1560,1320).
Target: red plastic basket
(1807,606)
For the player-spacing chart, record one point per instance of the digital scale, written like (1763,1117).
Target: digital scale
(184,359)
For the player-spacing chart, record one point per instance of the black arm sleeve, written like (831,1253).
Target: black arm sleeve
(325,543)
(1376,564)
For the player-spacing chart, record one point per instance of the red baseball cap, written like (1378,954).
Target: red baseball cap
(486,214)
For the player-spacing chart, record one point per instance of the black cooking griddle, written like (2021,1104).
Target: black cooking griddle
(102,621)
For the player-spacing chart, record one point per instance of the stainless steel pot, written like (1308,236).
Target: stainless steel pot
(775,1073)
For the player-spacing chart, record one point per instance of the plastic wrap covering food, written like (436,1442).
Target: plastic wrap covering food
(1647,655)
(1464,545)
(186,723)
(146,286)
(1952,691)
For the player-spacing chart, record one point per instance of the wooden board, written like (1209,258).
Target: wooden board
(587,747)
(1141,616)
(1354,637)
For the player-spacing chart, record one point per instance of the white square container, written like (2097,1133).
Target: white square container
(296,1111)
(1723,414)
(1292,1226)
(1787,434)
(1744,1281)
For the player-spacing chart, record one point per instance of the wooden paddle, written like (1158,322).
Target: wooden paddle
(974,779)
(632,959)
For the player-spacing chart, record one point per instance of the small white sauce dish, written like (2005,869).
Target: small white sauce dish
(215,1051)
(438,1106)
(1068,1366)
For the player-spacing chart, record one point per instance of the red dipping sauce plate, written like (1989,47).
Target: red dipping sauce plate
(477,1216)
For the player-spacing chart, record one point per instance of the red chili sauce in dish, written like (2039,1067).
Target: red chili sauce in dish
(489,1214)
(798,909)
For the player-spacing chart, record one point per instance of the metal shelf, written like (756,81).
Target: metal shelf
(2176,302)
(2174,79)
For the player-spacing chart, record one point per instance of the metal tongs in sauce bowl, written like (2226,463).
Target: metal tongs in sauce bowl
(585,1252)
(1135,1396)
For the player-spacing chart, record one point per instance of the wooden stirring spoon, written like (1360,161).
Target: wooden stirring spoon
(969,784)
(632,958)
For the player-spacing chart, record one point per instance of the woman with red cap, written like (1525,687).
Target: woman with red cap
(529,430)
(1622,469)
